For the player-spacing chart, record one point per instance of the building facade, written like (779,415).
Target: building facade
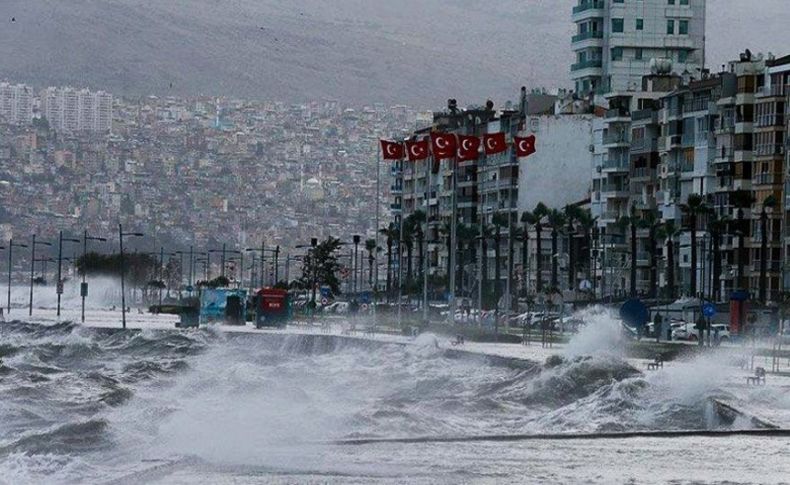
(70,110)
(16,103)
(616,40)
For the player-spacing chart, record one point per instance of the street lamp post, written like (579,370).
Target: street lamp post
(84,285)
(223,251)
(121,234)
(33,268)
(11,246)
(355,264)
(59,286)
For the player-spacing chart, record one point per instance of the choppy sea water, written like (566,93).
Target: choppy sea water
(81,405)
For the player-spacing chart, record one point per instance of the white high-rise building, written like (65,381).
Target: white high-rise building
(615,41)
(16,103)
(71,110)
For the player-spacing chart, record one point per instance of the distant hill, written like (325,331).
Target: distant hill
(407,51)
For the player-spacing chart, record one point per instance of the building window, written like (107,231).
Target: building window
(684,2)
(617,25)
(638,54)
(640,24)
(617,53)
(683,56)
(670,27)
(671,2)
(683,28)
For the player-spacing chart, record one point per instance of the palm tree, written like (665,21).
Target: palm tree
(371,248)
(540,212)
(391,233)
(718,226)
(528,219)
(498,221)
(741,199)
(465,236)
(572,215)
(693,208)
(769,202)
(625,222)
(668,232)
(587,223)
(556,220)
(651,222)
(410,231)
(418,218)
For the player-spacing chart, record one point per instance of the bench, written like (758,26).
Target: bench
(758,377)
(658,363)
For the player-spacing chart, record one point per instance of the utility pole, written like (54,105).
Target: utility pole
(121,234)
(84,285)
(59,286)
(11,246)
(33,268)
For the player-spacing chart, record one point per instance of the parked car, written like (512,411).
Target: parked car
(689,332)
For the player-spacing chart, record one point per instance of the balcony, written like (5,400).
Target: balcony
(643,173)
(769,150)
(621,139)
(700,104)
(618,113)
(396,189)
(768,179)
(591,34)
(591,64)
(614,191)
(779,91)
(610,216)
(766,121)
(588,9)
(615,165)
(395,207)
(504,184)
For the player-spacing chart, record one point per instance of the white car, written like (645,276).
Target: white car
(719,332)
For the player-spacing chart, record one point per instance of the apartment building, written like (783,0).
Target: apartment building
(616,40)
(16,103)
(73,110)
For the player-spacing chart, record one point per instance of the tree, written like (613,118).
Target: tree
(466,237)
(391,232)
(768,202)
(540,212)
(320,265)
(371,248)
(528,219)
(556,220)
(587,223)
(410,230)
(741,200)
(651,222)
(668,232)
(625,222)
(498,222)
(693,208)
(718,226)
(572,214)
(418,218)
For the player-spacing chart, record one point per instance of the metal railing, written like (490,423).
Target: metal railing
(590,34)
(588,5)
(587,64)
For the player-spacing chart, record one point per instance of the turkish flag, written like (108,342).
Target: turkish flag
(444,145)
(524,146)
(392,150)
(468,148)
(417,150)
(494,143)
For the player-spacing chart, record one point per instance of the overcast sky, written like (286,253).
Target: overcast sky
(419,52)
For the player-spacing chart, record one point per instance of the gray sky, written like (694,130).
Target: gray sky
(407,51)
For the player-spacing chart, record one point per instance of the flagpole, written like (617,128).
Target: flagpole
(400,259)
(425,250)
(453,235)
(378,222)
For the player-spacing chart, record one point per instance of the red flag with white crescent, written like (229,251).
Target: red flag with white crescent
(524,146)
(494,143)
(417,150)
(391,150)
(444,145)
(468,148)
